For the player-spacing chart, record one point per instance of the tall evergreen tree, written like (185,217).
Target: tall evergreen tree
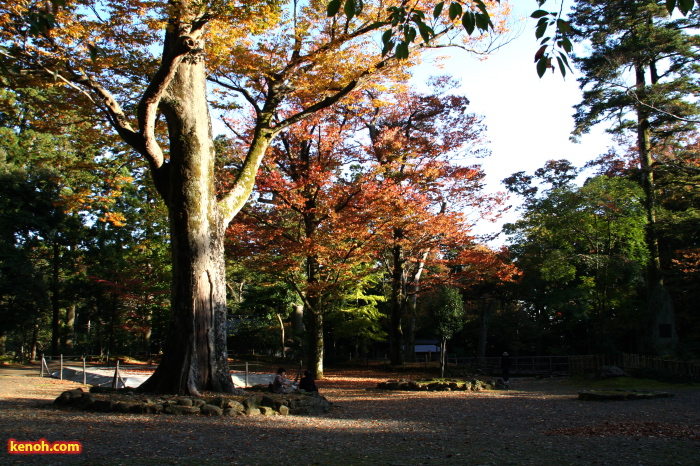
(640,74)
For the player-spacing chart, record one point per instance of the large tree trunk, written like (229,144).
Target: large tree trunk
(282,338)
(659,302)
(195,355)
(314,331)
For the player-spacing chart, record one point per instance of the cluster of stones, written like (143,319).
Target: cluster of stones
(621,395)
(444,386)
(295,404)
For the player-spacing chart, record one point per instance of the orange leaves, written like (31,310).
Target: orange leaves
(688,261)
(482,264)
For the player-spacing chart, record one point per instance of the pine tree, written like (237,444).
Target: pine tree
(640,75)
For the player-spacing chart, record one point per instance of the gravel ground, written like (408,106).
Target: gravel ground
(535,423)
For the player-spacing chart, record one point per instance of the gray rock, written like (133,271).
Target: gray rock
(103,406)
(236,406)
(153,408)
(267,401)
(609,372)
(198,402)
(181,410)
(219,401)
(252,402)
(211,410)
(252,411)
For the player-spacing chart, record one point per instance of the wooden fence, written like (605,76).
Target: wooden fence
(522,365)
(625,361)
(563,365)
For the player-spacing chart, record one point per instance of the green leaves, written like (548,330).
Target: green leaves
(41,20)
(333,7)
(539,14)
(683,5)
(469,22)
(455,10)
(407,24)
(561,45)
(437,11)
(351,8)
(542,64)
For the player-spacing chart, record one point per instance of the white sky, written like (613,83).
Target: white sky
(529,119)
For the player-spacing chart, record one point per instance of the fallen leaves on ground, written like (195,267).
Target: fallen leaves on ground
(647,429)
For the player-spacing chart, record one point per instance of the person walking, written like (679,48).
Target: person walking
(505,370)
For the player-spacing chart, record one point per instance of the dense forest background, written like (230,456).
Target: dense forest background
(359,237)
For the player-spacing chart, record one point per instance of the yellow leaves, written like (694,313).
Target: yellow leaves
(115,218)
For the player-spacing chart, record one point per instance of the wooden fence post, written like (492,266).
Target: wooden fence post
(115,380)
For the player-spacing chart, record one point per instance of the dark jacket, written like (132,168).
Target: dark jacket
(308,384)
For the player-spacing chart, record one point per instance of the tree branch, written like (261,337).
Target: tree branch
(246,95)
(147,112)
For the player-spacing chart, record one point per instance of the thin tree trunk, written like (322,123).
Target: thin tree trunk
(443,356)
(69,329)
(34,351)
(55,303)
(313,316)
(397,301)
(484,319)
(411,309)
(279,319)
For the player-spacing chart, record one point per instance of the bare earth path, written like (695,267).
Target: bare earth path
(537,423)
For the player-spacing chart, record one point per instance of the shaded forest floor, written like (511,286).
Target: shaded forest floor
(538,422)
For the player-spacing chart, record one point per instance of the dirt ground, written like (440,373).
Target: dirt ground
(538,422)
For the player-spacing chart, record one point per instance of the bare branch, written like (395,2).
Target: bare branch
(633,94)
(244,92)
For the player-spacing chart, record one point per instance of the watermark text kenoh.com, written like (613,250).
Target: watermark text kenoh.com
(43,447)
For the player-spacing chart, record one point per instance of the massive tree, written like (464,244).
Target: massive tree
(142,69)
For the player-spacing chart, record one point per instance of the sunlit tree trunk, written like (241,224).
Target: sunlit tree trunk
(195,355)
